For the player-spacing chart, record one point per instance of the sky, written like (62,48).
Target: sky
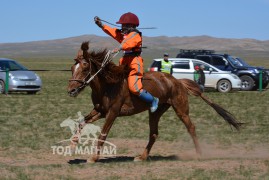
(35,20)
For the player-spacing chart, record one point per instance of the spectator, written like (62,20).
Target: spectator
(166,66)
(199,76)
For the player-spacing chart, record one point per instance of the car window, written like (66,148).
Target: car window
(234,61)
(242,62)
(206,66)
(218,60)
(3,65)
(11,65)
(181,65)
(205,59)
(156,64)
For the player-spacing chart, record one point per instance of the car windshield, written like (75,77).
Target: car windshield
(12,66)
(234,61)
(242,61)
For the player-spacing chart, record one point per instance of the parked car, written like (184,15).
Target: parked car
(249,75)
(243,63)
(223,81)
(20,78)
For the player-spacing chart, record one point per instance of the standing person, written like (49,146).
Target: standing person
(202,77)
(199,76)
(166,66)
(196,74)
(130,40)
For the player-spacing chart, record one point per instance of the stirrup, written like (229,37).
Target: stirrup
(154,105)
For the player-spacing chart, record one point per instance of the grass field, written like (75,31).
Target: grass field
(30,125)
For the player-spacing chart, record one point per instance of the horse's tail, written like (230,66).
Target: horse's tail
(193,89)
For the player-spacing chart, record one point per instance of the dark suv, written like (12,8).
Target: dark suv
(249,75)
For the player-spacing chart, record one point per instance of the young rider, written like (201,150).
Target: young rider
(130,40)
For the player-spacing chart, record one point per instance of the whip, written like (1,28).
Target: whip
(120,26)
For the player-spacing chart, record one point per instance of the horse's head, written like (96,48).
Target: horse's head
(80,71)
(67,122)
(88,65)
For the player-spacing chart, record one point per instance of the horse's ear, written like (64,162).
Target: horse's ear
(76,60)
(79,56)
(85,46)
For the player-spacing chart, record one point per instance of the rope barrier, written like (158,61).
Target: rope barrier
(49,70)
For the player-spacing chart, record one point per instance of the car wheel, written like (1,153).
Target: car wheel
(224,86)
(2,87)
(247,83)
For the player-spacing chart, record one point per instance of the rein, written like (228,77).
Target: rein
(108,58)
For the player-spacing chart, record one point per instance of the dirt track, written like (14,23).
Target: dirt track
(168,160)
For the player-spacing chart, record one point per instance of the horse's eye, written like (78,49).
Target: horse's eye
(85,63)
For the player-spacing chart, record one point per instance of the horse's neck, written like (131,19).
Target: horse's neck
(97,86)
(98,90)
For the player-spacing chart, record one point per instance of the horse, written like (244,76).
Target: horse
(111,97)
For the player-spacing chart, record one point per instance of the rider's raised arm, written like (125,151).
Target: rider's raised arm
(113,32)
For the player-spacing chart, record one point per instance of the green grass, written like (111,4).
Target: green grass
(31,123)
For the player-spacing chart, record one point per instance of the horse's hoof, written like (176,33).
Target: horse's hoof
(138,159)
(91,161)
(198,157)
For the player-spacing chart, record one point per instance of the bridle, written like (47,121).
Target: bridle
(86,80)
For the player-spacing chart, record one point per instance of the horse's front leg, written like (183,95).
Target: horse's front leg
(110,118)
(94,115)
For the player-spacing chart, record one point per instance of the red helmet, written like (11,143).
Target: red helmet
(196,67)
(129,18)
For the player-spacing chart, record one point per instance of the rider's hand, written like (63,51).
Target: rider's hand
(98,22)
(115,50)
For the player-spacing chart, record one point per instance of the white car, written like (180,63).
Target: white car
(223,81)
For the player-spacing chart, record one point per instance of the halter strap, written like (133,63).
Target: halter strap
(108,58)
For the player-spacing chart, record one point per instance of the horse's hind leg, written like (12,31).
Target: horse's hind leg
(153,125)
(181,108)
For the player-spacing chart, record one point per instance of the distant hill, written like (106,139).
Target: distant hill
(155,46)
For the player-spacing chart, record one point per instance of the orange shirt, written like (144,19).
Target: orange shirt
(128,42)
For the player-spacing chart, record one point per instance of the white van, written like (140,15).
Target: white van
(223,81)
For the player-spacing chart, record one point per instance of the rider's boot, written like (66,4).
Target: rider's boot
(147,97)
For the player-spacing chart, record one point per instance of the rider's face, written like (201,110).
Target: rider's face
(126,27)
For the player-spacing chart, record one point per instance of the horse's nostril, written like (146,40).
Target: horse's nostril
(73,92)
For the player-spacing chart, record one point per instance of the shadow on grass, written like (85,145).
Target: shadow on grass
(126,159)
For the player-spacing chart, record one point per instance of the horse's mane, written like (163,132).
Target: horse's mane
(111,72)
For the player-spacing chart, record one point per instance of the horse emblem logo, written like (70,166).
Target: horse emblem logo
(82,146)
(85,134)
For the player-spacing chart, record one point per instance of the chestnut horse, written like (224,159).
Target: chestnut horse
(111,97)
